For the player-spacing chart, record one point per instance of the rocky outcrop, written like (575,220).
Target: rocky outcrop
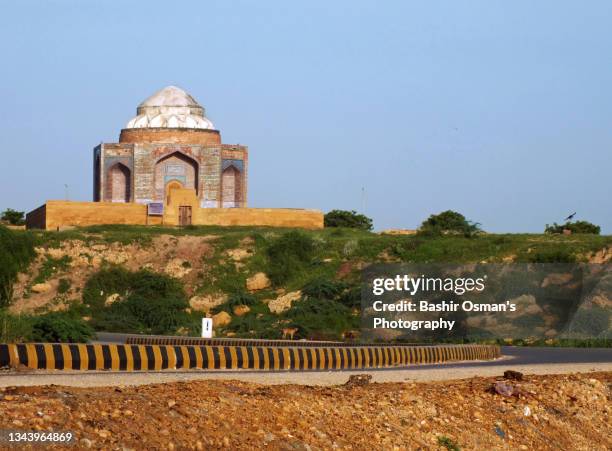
(283,303)
(257,282)
(110,300)
(41,287)
(241,310)
(207,302)
(221,319)
(177,268)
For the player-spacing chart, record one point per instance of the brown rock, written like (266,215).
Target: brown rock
(283,303)
(240,310)
(258,282)
(41,287)
(207,302)
(110,300)
(513,375)
(177,268)
(221,319)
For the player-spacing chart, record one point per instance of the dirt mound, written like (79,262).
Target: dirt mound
(547,412)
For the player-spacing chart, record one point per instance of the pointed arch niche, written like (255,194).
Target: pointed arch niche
(119,183)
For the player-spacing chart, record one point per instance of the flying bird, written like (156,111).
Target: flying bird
(570,217)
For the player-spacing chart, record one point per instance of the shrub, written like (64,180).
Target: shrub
(60,327)
(350,219)
(574,227)
(13,217)
(14,328)
(240,298)
(323,289)
(552,256)
(288,255)
(448,222)
(16,253)
(63,286)
(154,315)
(592,322)
(351,298)
(320,318)
(448,443)
(149,302)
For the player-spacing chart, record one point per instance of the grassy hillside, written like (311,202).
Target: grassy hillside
(159,280)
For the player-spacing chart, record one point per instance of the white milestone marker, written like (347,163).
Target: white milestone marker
(207,327)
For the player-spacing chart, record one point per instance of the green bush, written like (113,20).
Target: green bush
(60,327)
(448,443)
(448,222)
(148,302)
(288,255)
(14,328)
(323,289)
(63,286)
(350,219)
(16,253)
(351,298)
(13,217)
(574,227)
(240,298)
(316,318)
(552,256)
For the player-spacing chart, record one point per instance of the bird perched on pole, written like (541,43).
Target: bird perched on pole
(570,217)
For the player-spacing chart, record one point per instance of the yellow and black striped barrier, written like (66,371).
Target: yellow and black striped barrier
(197,341)
(125,357)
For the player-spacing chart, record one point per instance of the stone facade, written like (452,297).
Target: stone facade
(148,161)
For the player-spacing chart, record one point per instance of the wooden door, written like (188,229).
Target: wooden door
(184,215)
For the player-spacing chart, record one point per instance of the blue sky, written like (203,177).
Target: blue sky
(499,110)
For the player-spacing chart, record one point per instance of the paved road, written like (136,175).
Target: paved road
(527,360)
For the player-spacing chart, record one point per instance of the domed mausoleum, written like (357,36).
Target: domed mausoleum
(169,167)
(169,144)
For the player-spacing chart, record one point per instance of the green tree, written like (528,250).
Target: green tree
(449,222)
(13,217)
(350,219)
(574,227)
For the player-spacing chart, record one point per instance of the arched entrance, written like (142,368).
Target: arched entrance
(118,183)
(173,184)
(178,168)
(231,188)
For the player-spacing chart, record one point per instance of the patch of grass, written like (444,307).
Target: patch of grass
(322,288)
(15,328)
(52,266)
(63,286)
(16,253)
(240,298)
(448,443)
(289,254)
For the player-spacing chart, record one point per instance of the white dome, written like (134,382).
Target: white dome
(170,107)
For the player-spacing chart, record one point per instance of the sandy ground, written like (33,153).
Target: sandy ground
(559,412)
